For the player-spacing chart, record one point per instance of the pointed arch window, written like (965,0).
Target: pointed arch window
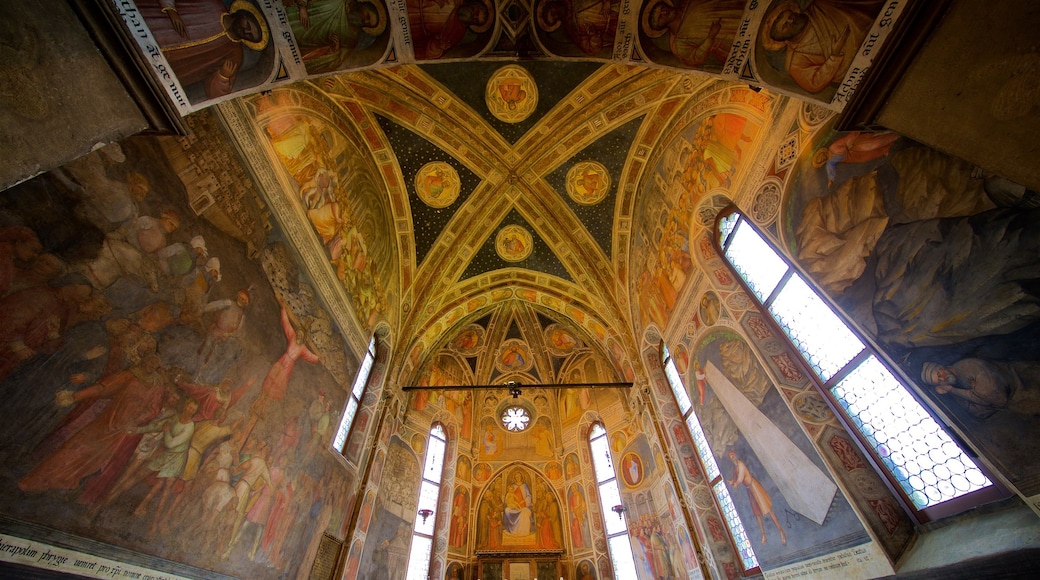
(357,391)
(921,461)
(619,546)
(737,534)
(426,518)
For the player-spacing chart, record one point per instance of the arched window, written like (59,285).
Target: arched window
(356,392)
(709,466)
(426,518)
(917,456)
(619,546)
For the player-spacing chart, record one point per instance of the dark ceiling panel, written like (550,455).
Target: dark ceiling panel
(542,258)
(469,80)
(611,150)
(414,151)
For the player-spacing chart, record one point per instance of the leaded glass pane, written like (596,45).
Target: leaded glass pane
(726,226)
(621,557)
(929,466)
(601,459)
(434,460)
(756,262)
(736,528)
(419,558)
(703,449)
(428,493)
(815,330)
(362,377)
(515,418)
(681,396)
(610,496)
(344,425)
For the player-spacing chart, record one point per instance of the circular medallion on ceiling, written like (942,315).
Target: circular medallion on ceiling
(511,94)
(560,340)
(588,182)
(513,243)
(513,355)
(437,184)
(469,341)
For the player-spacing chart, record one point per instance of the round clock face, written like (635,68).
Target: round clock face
(515,418)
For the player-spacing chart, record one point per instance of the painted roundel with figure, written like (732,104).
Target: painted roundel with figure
(514,355)
(437,184)
(588,182)
(469,341)
(511,94)
(513,243)
(559,340)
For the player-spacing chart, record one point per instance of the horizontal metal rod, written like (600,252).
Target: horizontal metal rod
(516,386)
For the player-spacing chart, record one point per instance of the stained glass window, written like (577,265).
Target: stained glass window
(515,418)
(354,400)
(919,455)
(426,514)
(615,523)
(718,486)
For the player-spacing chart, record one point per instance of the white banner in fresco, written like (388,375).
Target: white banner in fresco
(218,67)
(871,46)
(865,561)
(39,555)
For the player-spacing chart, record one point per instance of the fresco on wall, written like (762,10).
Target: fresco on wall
(463,469)
(688,33)
(500,444)
(703,157)
(455,571)
(689,554)
(340,192)
(571,467)
(936,259)
(390,535)
(808,46)
(518,511)
(654,549)
(450,29)
(333,35)
(585,570)
(578,518)
(459,531)
(579,28)
(790,507)
(160,382)
(637,463)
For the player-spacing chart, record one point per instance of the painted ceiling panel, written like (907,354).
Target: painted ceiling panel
(468,81)
(611,152)
(541,257)
(413,153)
(518,342)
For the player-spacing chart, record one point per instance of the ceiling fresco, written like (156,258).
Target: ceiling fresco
(569,206)
(815,49)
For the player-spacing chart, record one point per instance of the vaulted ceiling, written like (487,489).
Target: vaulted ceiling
(529,221)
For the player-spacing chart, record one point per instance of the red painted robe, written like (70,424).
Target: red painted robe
(104,442)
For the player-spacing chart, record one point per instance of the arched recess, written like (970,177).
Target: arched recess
(588,330)
(517,511)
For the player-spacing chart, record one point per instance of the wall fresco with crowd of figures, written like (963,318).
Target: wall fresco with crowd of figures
(185,379)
